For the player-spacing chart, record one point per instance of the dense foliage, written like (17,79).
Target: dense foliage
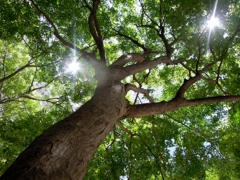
(200,142)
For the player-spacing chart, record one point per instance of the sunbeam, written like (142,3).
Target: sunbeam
(213,22)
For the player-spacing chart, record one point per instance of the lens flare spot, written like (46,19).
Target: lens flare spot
(73,67)
(213,22)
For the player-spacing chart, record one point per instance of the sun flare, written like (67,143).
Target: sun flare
(73,67)
(213,22)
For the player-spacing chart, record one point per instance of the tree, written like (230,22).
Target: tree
(138,46)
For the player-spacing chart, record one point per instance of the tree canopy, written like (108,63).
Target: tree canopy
(39,39)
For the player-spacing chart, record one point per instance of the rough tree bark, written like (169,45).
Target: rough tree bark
(64,150)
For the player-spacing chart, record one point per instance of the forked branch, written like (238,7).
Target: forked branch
(159,27)
(134,41)
(187,83)
(145,92)
(95,29)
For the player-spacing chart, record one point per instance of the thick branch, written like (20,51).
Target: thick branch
(95,29)
(150,109)
(186,84)
(126,58)
(168,47)
(136,68)
(192,80)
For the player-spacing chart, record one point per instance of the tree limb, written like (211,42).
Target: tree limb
(50,100)
(95,29)
(135,68)
(187,83)
(139,90)
(132,40)
(139,85)
(160,29)
(26,93)
(149,109)
(124,129)
(144,12)
(17,71)
(126,58)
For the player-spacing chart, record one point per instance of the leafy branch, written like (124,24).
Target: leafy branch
(27,93)
(134,41)
(160,30)
(6,77)
(85,54)
(143,141)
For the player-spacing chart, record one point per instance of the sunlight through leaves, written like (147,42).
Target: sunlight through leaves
(213,22)
(73,67)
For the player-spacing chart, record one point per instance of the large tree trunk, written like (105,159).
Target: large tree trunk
(64,150)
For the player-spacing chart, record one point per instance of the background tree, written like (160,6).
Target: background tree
(144,66)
